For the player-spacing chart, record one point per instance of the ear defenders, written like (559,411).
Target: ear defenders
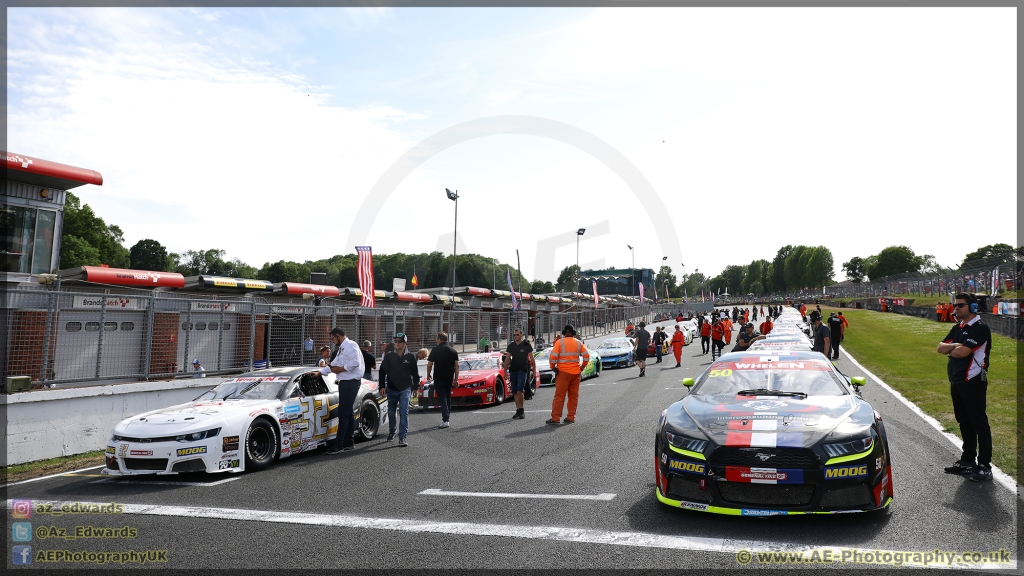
(973,307)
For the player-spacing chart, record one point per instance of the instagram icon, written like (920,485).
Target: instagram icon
(21,509)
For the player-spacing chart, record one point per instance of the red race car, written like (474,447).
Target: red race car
(482,381)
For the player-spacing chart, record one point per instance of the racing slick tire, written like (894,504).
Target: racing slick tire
(261,445)
(369,419)
(499,391)
(531,389)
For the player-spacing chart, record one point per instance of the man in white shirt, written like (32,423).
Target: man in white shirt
(348,366)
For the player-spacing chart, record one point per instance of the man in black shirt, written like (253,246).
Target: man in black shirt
(643,339)
(519,363)
(821,334)
(369,362)
(747,337)
(967,345)
(399,376)
(447,361)
(659,341)
(835,329)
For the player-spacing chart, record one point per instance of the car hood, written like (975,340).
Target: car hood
(189,417)
(543,365)
(470,375)
(731,420)
(613,351)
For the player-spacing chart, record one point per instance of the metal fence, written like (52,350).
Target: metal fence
(975,279)
(62,336)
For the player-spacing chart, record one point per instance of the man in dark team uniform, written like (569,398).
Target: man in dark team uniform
(446,361)
(519,363)
(643,339)
(820,333)
(835,329)
(967,345)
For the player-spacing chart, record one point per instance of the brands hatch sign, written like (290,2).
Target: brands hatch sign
(113,303)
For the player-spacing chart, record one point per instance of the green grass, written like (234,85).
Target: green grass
(917,371)
(60,463)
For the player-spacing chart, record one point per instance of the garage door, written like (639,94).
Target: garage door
(78,338)
(207,339)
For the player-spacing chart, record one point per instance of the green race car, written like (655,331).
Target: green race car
(547,375)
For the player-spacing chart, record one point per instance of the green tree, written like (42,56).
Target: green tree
(81,222)
(734,278)
(894,260)
(778,277)
(540,287)
(75,252)
(794,272)
(665,277)
(854,269)
(990,256)
(149,255)
(569,278)
(818,271)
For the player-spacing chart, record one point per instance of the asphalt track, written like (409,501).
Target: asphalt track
(492,492)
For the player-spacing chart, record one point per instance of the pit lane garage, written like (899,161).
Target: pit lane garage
(245,423)
(774,433)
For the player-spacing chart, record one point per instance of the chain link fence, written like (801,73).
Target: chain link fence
(987,278)
(65,336)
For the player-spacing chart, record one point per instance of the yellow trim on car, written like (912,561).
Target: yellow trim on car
(696,455)
(841,459)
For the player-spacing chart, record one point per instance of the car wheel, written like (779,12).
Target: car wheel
(369,419)
(260,445)
(499,391)
(531,389)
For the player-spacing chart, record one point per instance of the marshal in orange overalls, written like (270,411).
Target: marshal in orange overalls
(678,340)
(566,354)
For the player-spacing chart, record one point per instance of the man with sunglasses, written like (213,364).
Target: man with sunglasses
(399,377)
(967,345)
(519,363)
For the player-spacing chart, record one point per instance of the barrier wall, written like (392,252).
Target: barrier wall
(50,423)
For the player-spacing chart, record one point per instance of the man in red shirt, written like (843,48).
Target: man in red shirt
(705,338)
(718,332)
(766,326)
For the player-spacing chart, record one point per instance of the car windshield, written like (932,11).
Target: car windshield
(479,363)
(615,343)
(248,388)
(810,377)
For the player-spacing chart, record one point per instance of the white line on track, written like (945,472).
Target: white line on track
(998,474)
(549,533)
(436,492)
(54,475)
(160,482)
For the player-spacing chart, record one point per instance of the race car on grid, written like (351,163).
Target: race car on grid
(773,433)
(244,423)
(482,381)
(547,375)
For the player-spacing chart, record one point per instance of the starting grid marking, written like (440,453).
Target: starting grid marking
(544,533)
(436,492)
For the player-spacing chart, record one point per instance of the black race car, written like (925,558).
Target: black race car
(772,433)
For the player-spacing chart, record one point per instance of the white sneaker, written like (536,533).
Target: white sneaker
(444,425)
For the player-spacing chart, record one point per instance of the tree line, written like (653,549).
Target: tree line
(902,260)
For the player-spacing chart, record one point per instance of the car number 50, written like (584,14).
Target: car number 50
(717,373)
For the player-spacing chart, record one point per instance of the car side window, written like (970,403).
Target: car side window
(294,391)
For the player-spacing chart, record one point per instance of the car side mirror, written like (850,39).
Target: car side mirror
(687,382)
(858,381)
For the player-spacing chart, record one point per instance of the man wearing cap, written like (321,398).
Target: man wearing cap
(369,361)
(835,329)
(197,369)
(347,364)
(747,337)
(399,376)
(446,359)
(643,339)
(566,354)
(820,333)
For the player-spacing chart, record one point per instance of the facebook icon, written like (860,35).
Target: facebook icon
(21,555)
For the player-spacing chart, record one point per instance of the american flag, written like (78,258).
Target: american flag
(364,271)
(594,282)
(515,301)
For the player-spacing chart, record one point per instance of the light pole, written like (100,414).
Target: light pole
(632,271)
(455,241)
(578,274)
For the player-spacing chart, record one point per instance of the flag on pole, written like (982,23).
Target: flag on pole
(701,296)
(594,283)
(641,284)
(515,301)
(667,296)
(685,300)
(364,271)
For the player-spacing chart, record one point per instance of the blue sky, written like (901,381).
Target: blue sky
(261,131)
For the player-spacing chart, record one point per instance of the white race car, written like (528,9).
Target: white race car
(245,423)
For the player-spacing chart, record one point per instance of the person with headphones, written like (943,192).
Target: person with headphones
(967,345)
(566,354)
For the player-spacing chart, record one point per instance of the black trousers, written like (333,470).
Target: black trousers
(833,341)
(705,344)
(969,410)
(718,344)
(347,390)
(444,398)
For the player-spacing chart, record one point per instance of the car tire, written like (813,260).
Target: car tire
(499,391)
(369,419)
(531,389)
(261,445)
(597,371)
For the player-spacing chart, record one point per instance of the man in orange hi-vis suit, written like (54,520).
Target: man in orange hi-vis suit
(678,341)
(565,358)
